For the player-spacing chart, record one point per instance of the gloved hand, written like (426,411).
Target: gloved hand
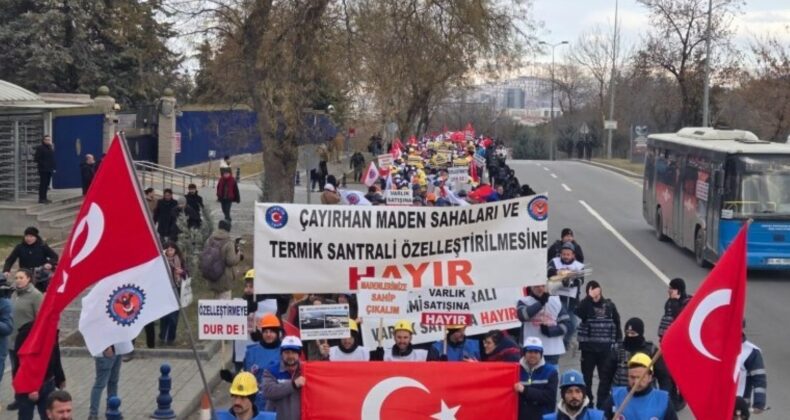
(566,282)
(226,375)
(544,329)
(443,358)
(377,355)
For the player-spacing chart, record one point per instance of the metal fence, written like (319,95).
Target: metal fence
(19,136)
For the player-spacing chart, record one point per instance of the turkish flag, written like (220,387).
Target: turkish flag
(112,246)
(409,390)
(701,347)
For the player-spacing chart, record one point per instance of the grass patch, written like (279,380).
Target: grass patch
(7,244)
(637,168)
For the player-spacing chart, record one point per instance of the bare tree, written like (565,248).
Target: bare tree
(677,39)
(595,50)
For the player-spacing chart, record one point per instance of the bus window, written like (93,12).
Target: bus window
(759,186)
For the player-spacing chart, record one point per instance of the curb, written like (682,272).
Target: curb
(204,353)
(620,171)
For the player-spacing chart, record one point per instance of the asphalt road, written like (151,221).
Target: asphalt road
(577,190)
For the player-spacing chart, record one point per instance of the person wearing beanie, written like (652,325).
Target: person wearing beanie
(330,194)
(574,404)
(566,267)
(163,214)
(227,193)
(537,385)
(678,299)
(34,255)
(459,347)
(598,332)
(634,342)
(565,236)
(195,201)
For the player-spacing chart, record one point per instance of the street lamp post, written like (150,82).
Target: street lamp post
(552,147)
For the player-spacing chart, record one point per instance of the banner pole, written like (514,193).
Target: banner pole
(380,330)
(633,389)
(122,137)
(444,349)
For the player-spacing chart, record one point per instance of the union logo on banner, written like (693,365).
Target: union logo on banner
(125,304)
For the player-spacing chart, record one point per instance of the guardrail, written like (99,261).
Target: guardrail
(155,175)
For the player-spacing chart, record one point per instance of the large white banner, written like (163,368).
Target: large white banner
(492,309)
(329,249)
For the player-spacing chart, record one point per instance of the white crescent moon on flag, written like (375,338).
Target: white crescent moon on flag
(371,406)
(711,302)
(94,221)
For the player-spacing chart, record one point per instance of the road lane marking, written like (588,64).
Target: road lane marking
(567,188)
(627,244)
(545,168)
(554,176)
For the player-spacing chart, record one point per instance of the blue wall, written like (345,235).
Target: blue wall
(232,133)
(74,137)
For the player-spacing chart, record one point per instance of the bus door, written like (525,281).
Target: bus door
(714,207)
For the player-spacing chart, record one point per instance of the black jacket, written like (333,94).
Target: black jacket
(163,215)
(87,171)
(31,256)
(599,321)
(554,251)
(55,368)
(44,157)
(195,201)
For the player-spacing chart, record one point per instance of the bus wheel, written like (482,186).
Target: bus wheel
(699,248)
(659,225)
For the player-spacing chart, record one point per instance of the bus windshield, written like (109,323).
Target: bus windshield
(762,187)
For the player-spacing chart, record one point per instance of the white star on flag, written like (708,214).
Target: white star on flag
(446,413)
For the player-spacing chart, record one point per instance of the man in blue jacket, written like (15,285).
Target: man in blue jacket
(459,347)
(574,404)
(647,403)
(537,387)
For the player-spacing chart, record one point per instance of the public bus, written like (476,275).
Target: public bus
(701,184)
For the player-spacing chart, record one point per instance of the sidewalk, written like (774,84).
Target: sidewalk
(139,382)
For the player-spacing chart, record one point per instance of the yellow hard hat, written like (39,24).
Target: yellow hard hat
(250,274)
(244,385)
(404,325)
(353,325)
(640,359)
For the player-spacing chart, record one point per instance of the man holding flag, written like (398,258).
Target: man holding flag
(130,288)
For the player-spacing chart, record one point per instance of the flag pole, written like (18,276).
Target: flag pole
(633,389)
(122,138)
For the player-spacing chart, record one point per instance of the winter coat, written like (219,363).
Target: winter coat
(587,413)
(618,365)
(467,349)
(31,256)
(163,215)
(752,380)
(231,259)
(44,156)
(554,251)
(547,320)
(193,221)
(87,171)
(646,404)
(540,390)
(357,161)
(227,414)
(6,326)
(196,202)
(281,394)
(26,303)
(672,308)
(228,190)
(506,351)
(599,328)
(258,359)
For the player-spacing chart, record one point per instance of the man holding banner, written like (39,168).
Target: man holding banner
(457,347)
(404,351)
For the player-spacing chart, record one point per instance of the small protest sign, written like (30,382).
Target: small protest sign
(445,306)
(385,160)
(222,319)
(457,175)
(324,322)
(399,197)
(382,298)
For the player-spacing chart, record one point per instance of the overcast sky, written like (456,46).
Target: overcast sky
(564,20)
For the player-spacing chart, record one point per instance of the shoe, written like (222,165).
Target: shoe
(13,406)
(127,357)
(42,201)
(93,417)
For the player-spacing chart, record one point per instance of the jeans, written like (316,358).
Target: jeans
(108,369)
(167,327)
(590,361)
(569,304)
(225,204)
(3,353)
(27,407)
(44,178)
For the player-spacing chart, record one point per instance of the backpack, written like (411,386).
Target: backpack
(212,263)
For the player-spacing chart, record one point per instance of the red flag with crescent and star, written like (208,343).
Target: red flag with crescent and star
(112,248)
(701,347)
(409,390)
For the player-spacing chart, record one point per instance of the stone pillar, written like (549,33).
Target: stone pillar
(106,104)
(167,129)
